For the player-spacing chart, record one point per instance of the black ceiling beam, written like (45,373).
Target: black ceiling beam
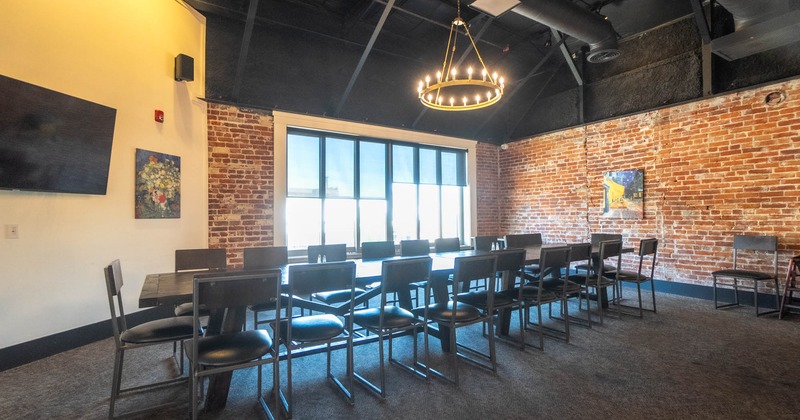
(701,21)
(460,61)
(521,83)
(248,32)
(364,55)
(567,56)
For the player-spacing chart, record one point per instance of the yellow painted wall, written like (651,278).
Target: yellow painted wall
(119,54)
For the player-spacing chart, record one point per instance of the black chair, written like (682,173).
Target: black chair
(581,254)
(599,280)
(447,245)
(205,259)
(327,253)
(377,250)
(647,250)
(790,286)
(389,320)
(595,239)
(264,258)
(546,289)
(525,240)
(214,354)
(455,314)
(330,253)
(754,247)
(510,266)
(321,329)
(167,330)
(415,248)
(485,243)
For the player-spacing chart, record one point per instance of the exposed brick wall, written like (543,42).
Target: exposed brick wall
(713,168)
(240,179)
(488,197)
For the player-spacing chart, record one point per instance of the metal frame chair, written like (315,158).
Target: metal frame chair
(600,280)
(544,290)
(206,259)
(486,243)
(647,250)
(210,355)
(264,258)
(320,329)
(789,287)
(454,314)
(415,248)
(754,244)
(582,254)
(377,250)
(389,320)
(167,330)
(510,266)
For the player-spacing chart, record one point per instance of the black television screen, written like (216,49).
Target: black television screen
(54,142)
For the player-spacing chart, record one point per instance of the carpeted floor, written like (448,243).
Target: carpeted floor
(687,361)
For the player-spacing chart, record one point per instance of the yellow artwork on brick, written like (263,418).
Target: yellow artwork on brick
(624,194)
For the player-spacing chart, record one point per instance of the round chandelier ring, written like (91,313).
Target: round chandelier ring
(438,90)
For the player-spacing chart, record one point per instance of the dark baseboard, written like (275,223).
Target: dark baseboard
(30,351)
(20,354)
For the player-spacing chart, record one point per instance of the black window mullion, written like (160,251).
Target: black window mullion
(323,189)
(388,191)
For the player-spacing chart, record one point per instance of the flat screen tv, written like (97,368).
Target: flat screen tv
(53,142)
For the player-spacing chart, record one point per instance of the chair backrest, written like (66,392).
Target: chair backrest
(552,260)
(477,267)
(264,257)
(609,249)
(396,275)
(581,253)
(648,248)
(113,274)
(377,250)
(596,238)
(201,259)
(764,243)
(230,290)
(332,252)
(447,244)
(484,243)
(523,240)
(306,279)
(415,247)
(510,262)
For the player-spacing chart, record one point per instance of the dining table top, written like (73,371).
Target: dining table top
(172,288)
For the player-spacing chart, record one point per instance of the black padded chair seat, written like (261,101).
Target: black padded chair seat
(630,276)
(230,349)
(187,309)
(393,317)
(531,294)
(261,307)
(557,286)
(335,296)
(313,328)
(443,312)
(167,329)
(592,280)
(479,299)
(743,274)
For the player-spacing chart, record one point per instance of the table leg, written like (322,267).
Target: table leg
(219,384)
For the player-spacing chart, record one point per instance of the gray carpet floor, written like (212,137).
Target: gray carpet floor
(686,361)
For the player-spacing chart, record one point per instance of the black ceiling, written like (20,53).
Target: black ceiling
(308,56)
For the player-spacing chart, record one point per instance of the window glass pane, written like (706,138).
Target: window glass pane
(428,212)
(449,168)
(427,166)
(372,162)
(451,211)
(303,222)
(340,222)
(373,220)
(402,163)
(339,168)
(302,166)
(404,211)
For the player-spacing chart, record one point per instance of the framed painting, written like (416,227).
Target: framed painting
(158,185)
(624,194)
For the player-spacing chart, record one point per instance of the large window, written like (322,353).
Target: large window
(343,189)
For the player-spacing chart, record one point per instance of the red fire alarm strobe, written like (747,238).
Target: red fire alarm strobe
(159,116)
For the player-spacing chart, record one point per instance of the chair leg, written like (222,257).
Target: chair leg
(653,291)
(116,381)
(639,292)
(381,364)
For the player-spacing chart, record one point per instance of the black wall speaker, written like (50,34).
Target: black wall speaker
(184,68)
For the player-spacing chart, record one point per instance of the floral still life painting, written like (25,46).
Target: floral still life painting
(624,194)
(158,185)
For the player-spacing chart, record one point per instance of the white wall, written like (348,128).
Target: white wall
(119,54)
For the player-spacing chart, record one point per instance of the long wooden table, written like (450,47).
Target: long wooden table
(174,288)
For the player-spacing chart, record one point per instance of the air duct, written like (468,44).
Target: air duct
(761,25)
(570,18)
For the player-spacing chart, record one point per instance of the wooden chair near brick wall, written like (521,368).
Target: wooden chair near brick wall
(755,247)
(791,286)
